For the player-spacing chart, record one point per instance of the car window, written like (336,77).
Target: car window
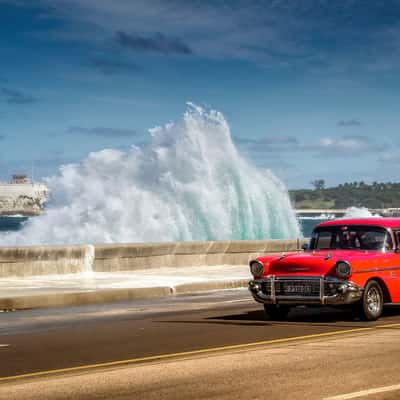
(354,237)
(397,233)
(324,240)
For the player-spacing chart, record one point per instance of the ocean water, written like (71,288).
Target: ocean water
(306,224)
(189,183)
(10,224)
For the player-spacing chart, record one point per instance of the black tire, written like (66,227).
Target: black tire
(276,312)
(371,306)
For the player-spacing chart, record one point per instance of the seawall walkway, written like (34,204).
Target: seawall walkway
(33,277)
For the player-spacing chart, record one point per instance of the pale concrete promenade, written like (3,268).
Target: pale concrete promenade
(100,287)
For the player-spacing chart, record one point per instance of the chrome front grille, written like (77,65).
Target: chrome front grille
(286,288)
(266,287)
(292,287)
(304,290)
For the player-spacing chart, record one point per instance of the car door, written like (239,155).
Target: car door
(394,286)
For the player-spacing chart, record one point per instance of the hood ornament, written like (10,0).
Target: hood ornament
(328,257)
(283,255)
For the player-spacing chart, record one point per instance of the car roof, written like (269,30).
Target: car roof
(375,221)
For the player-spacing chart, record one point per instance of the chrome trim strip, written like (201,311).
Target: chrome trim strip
(299,297)
(376,270)
(322,289)
(273,293)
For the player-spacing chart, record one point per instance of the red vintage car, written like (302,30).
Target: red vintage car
(348,263)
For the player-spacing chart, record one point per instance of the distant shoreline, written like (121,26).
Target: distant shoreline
(384,212)
(376,196)
(20,213)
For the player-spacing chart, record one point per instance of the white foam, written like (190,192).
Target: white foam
(88,259)
(359,212)
(190,183)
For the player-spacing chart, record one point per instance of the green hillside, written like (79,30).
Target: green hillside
(358,194)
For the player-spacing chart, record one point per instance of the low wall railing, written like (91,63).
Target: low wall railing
(50,260)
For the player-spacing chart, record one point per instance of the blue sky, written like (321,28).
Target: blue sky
(310,88)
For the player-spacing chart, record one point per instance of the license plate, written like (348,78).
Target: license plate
(298,289)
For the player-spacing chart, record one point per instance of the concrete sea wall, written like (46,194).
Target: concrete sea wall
(33,261)
(30,261)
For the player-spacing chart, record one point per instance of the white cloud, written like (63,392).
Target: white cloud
(334,146)
(390,158)
(346,144)
(348,123)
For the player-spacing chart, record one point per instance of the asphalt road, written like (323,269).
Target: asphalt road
(38,341)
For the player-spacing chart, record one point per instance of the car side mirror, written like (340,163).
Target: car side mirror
(304,247)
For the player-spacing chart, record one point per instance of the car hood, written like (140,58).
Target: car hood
(315,262)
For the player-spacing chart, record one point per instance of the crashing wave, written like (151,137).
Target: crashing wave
(189,183)
(359,212)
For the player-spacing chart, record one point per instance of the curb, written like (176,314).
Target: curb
(70,299)
(208,286)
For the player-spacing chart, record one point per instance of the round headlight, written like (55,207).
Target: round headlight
(343,269)
(256,268)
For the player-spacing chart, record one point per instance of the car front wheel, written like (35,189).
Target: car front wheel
(371,306)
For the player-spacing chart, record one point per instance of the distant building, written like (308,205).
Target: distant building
(22,197)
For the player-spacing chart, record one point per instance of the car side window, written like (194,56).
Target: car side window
(397,233)
(324,240)
(375,240)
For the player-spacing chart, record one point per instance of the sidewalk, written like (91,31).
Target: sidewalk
(101,287)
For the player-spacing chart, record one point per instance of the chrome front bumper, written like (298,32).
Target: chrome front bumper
(304,290)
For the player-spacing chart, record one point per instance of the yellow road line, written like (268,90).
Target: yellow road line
(389,325)
(364,393)
(191,353)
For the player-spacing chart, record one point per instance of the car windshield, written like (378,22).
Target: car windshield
(351,237)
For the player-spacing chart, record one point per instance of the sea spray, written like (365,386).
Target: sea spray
(189,183)
(359,212)
(88,260)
